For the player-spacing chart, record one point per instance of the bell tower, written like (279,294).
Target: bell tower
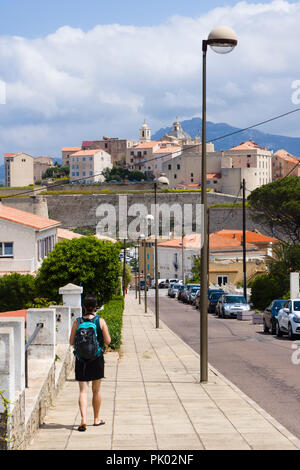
(145,133)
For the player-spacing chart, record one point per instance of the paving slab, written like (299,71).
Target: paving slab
(152,399)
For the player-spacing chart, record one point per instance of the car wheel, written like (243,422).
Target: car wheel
(290,332)
(266,329)
(278,330)
(273,328)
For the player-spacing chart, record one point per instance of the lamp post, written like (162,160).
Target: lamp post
(139,272)
(135,271)
(161,181)
(222,40)
(124,267)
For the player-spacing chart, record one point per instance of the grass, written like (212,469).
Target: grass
(113,316)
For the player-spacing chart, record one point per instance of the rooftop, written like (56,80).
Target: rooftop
(285,155)
(249,144)
(26,218)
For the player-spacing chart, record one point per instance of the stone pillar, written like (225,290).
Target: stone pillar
(71,295)
(7,367)
(43,346)
(75,313)
(63,323)
(18,326)
(294,285)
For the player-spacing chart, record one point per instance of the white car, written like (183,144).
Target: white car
(288,319)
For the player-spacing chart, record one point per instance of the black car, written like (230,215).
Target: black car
(212,301)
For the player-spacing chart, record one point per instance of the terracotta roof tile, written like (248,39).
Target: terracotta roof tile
(26,218)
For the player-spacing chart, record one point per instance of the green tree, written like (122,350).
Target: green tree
(91,263)
(128,274)
(16,291)
(276,284)
(196,270)
(277,205)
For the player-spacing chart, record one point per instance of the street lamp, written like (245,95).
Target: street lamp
(161,181)
(222,40)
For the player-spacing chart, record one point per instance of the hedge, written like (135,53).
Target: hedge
(112,313)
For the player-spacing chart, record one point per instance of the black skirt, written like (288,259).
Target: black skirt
(86,372)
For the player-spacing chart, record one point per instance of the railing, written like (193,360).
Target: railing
(28,343)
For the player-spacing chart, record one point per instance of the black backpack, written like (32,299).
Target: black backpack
(87,347)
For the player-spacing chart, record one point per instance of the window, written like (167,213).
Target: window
(169,167)
(178,167)
(192,175)
(175,177)
(222,280)
(6,250)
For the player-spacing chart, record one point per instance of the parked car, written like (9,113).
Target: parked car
(142,284)
(180,291)
(270,315)
(197,299)
(187,290)
(174,290)
(170,288)
(162,283)
(212,291)
(212,300)
(192,294)
(288,319)
(229,305)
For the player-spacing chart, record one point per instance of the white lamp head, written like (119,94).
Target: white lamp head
(222,40)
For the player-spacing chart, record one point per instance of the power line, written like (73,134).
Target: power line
(171,153)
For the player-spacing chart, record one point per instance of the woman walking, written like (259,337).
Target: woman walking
(93,370)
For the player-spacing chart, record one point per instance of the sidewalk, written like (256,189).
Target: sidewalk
(152,399)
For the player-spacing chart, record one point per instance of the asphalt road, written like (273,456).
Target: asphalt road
(261,365)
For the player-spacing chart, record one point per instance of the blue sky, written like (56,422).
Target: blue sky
(34,18)
(79,70)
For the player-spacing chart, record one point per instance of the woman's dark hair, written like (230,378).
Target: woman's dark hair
(90,303)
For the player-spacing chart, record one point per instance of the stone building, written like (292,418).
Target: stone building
(18,169)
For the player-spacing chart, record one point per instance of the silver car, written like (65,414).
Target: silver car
(229,305)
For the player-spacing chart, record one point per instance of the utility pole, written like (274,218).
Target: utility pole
(182,253)
(135,273)
(124,267)
(208,231)
(244,241)
(139,272)
(145,274)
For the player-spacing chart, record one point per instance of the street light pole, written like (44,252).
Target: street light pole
(244,241)
(204,248)
(124,267)
(156,228)
(221,40)
(135,271)
(145,274)
(139,271)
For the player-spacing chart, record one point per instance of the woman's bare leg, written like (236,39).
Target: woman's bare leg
(83,401)
(96,400)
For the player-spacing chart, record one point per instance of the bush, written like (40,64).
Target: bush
(264,289)
(87,262)
(113,315)
(16,291)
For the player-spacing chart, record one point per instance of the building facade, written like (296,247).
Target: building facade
(40,165)
(25,240)
(284,164)
(86,166)
(18,169)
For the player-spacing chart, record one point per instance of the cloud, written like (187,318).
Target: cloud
(73,85)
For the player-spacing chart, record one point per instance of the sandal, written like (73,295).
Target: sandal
(100,424)
(82,428)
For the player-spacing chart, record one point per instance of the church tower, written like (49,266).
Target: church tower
(145,133)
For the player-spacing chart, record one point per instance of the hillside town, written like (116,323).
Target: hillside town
(149,282)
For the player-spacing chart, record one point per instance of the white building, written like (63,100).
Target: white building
(87,166)
(25,240)
(19,170)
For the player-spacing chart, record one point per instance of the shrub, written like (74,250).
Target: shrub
(16,291)
(264,289)
(87,262)
(113,315)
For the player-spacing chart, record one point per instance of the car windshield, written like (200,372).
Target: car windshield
(297,305)
(234,299)
(215,296)
(176,286)
(279,304)
(194,289)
